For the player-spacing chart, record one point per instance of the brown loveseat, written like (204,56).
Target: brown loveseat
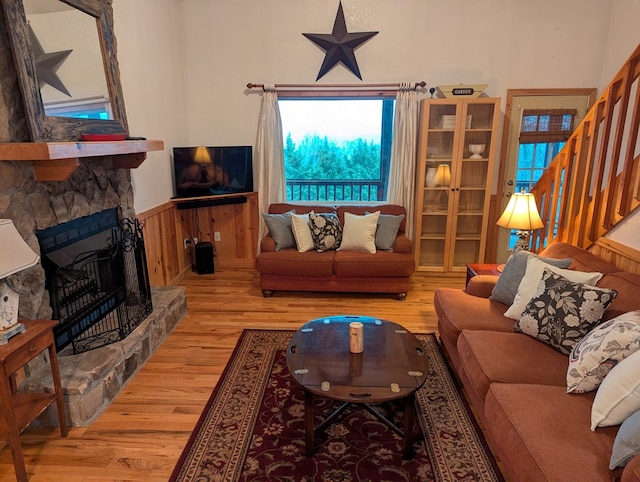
(518,384)
(345,271)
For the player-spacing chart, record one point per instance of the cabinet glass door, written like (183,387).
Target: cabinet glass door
(437,158)
(472,183)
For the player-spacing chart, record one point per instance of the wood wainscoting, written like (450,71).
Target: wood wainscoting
(165,228)
(620,255)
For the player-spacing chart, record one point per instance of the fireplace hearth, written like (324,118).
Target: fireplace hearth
(96,275)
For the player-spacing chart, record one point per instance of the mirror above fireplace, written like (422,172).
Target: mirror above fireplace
(53,120)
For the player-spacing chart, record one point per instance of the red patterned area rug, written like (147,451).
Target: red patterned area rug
(252,428)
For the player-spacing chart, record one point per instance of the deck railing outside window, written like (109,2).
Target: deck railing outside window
(336,190)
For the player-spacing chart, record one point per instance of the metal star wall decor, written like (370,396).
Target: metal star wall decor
(47,64)
(339,45)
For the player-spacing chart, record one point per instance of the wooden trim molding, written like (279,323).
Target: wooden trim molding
(624,257)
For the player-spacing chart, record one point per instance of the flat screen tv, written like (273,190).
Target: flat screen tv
(208,171)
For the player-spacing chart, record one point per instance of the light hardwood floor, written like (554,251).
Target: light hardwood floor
(143,432)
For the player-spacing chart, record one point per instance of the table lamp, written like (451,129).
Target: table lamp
(522,214)
(15,255)
(203,158)
(443,175)
(442,179)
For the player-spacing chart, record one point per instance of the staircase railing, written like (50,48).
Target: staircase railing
(594,181)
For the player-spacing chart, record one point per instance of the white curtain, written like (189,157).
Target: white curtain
(268,170)
(403,153)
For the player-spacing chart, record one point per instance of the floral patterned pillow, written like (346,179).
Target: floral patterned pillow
(561,312)
(593,357)
(325,231)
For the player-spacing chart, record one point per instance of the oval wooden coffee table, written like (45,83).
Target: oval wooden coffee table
(392,366)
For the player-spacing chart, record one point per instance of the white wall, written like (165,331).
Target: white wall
(624,37)
(225,44)
(504,43)
(150,57)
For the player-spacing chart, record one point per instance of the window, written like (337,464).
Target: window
(337,150)
(543,134)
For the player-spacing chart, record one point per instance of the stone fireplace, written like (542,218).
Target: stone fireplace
(90,380)
(97,279)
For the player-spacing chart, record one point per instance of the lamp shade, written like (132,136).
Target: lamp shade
(15,253)
(521,213)
(202,156)
(443,175)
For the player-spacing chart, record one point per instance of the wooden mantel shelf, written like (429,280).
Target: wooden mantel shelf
(56,161)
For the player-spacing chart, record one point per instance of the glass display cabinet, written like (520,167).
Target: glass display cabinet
(456,149)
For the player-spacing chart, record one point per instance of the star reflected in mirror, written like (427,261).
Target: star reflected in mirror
(47,64)
(339,45)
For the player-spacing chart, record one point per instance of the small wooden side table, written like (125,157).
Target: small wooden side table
(475,269)
(19,409)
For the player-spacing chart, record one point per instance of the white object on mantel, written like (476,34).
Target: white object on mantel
(15,255)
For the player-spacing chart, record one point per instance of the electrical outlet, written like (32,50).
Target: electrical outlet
(216,236)
(187,242)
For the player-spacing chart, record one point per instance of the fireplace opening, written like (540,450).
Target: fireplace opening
(97,278)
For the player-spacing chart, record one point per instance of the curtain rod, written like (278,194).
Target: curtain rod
(395,86)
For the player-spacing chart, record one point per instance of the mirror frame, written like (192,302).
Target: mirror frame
(45,128)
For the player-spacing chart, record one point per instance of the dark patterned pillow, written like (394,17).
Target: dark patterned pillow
(562,312)
(325,231)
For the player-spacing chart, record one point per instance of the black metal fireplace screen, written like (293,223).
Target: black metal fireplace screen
(97,278)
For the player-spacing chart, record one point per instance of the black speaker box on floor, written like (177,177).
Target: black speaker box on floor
(204,258)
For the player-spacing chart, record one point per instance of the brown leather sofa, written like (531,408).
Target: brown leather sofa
(344,271)
(517,384)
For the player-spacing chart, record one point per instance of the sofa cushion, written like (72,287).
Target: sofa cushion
(619,394)
(292,262)
(627,442)
(546,433)
(581,259)
(359,232)
(325,231)
(459,311)
(532,277)
(383,263)
(489,356)
(393,209)
(280,229)
(628,286)
(562,312)
(514,270)
(632,470)
(278,208)
(593,357)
